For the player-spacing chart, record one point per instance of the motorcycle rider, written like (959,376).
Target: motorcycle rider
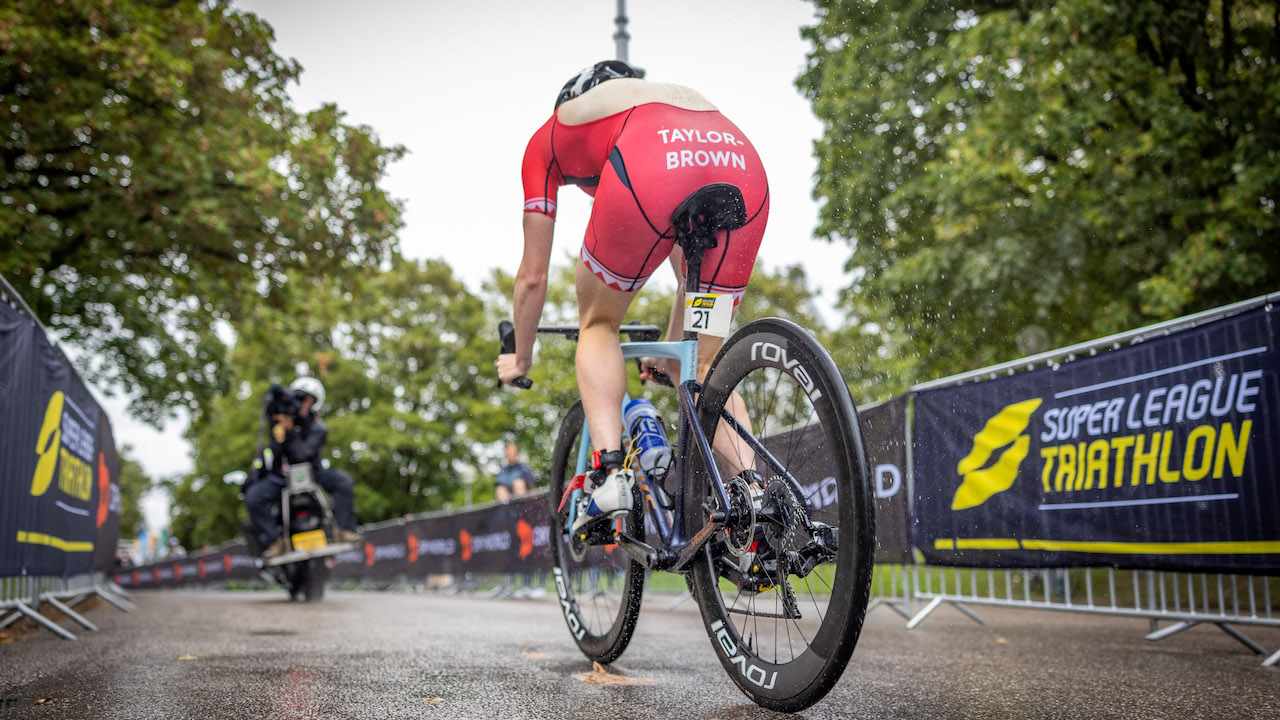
(299,438)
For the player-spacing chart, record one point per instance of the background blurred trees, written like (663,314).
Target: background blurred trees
(1008,176)
(1055,170)
(405,355)
(155,181)
(134,483)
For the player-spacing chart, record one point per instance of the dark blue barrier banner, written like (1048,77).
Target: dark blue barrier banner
(232,561)
(433,546)
(884,435)
(496,538)
(349,565)
(1161,455)
(505,538)
(384,554)
(59,497)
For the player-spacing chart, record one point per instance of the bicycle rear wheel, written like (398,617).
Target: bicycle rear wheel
(599,587)
(783,613)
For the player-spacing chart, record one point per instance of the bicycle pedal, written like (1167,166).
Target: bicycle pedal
(599,531)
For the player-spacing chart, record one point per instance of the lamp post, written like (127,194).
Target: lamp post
(621,37)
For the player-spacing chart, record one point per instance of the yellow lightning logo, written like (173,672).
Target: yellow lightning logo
(48,442)
(1005,429)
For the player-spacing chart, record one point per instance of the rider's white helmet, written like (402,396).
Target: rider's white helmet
(312,387)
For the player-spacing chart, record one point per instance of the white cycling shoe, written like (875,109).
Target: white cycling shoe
(611,499)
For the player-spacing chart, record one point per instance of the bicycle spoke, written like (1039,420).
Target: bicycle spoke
(814,599)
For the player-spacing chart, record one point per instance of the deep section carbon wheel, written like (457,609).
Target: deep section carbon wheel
(785,616)
(598,587)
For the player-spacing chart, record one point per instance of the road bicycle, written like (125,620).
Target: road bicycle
(780,561)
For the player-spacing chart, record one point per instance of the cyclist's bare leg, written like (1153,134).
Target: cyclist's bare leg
(735,452)
(602,378)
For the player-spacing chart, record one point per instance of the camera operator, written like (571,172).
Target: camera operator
(297,434)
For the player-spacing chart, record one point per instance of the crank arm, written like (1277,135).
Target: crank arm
(682,561)
(638,550)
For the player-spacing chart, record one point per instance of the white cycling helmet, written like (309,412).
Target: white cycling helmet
(312,387)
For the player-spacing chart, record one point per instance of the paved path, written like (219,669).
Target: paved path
(363,655)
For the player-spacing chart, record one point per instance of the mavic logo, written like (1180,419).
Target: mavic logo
(1003,432)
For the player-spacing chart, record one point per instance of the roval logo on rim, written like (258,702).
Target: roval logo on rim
(571,617)
(750,671)
(777,355)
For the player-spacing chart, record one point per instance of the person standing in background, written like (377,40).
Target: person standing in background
(515,479)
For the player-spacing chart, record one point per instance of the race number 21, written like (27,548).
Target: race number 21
(709,314)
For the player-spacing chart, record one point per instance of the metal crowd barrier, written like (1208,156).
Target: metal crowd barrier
(1181,599)
(23,596)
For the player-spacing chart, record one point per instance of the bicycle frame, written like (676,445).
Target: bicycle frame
(675,551)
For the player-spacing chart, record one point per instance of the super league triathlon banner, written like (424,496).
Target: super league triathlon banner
(59,498)
(1161,455)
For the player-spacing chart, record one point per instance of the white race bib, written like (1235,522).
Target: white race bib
(709,314)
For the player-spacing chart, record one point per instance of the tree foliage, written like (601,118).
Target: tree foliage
(405,355)
(156,181)
(1081,167)
(134,483)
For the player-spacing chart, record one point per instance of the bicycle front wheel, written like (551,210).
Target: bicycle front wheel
(598,586)
(783,598)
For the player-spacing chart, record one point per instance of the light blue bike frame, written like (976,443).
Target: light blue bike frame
(685,351)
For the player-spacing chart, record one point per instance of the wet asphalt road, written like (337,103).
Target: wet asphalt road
(366,655)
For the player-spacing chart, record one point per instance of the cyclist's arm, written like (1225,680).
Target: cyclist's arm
(541,179)
(304,445)
(531,284)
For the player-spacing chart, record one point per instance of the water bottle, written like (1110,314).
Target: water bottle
(650,439)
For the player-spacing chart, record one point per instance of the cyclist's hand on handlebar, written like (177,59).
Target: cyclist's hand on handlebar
(658,370)
(510,369)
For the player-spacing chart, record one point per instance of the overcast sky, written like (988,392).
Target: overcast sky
(462,86)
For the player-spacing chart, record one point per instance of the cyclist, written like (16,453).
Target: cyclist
(638,148)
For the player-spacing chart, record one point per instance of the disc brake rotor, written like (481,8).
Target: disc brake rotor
(741,528)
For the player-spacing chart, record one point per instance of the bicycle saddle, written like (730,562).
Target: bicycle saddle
(708,210)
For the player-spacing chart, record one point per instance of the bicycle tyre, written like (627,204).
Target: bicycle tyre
(776,355)
(600,618)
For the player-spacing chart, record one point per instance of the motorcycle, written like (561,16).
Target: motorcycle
(306,522)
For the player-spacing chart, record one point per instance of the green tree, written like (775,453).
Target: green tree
(156,181)
(1081,167)
(406,357)
(133,483)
